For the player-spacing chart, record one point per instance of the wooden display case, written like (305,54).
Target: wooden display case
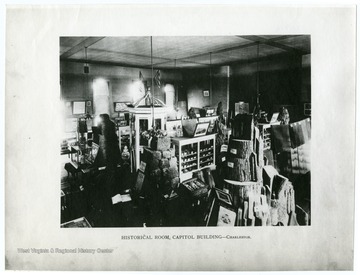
(142,121)
(194,154)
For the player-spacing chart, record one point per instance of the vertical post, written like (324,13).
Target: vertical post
(257,70)
(210,98)
(227,94)
(152,84)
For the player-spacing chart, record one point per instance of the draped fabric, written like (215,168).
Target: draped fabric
(300,133)
(285,137)
(291,144)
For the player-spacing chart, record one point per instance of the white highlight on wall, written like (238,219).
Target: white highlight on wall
(101,96)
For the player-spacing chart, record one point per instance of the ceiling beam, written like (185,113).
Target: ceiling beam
(272,43)
(183,61)
(79,47)
(121,64)
(281,37)
(128,54)
(260,59)
(108,63)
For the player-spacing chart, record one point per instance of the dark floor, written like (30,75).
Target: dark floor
(90,196)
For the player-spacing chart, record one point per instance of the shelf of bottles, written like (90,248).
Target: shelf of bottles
(189,158)
(206,153)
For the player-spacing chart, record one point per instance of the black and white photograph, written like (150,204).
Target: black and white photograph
(186,79)
(182,137)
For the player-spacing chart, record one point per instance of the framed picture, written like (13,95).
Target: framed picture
(223,197)
(211,120)
(174,128)
(201,129)
(78,107)
(226,217)
(120,106)
(206,93)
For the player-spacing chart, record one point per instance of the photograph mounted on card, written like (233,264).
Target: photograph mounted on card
(226,217)
(223,196)
(121,106)
(201,129)
(79,107)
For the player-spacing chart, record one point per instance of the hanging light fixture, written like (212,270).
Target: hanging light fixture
(148,99)
(210,88)
(86,88)
(86,64)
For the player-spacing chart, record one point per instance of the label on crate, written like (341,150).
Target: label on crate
(142,166)
(223,159)
(233,151)
(230,164)
(224,148)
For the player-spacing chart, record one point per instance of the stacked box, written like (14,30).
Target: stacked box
(162,169)
(160,143)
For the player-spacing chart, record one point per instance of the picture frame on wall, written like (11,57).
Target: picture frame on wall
(206,93)
(79,107)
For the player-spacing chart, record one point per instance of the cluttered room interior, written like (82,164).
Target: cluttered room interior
(172,131)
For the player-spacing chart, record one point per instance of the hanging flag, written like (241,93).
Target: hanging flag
(141,83)
(157,78)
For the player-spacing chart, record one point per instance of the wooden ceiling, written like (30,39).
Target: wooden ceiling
(171,52)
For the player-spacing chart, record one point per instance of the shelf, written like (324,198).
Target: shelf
(189,169)
(206,161)
(189,166)
(189,155)
(206,150)
(206,156)
(183,164)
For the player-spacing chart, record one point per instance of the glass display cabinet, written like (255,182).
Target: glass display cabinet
(194,154)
